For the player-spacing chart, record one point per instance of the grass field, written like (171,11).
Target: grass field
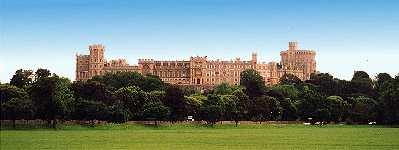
(179,136)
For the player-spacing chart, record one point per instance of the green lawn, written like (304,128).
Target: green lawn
(201,137)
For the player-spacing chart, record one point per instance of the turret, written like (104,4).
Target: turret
(254,57)
(292,46)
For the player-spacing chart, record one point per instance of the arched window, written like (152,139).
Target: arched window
(198,81)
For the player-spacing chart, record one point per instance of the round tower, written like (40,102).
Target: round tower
(96,60)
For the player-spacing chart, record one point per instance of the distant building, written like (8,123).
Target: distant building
(198,71)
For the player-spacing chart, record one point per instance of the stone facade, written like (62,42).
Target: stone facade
(199,71)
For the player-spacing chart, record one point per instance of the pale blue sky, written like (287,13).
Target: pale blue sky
(348,35)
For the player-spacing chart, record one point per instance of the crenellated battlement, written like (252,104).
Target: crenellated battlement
(96,46)
(145,61)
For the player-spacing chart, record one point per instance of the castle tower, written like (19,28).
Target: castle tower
(292,46)
(254,57)
(96,60)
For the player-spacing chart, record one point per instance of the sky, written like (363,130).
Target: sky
(348,35)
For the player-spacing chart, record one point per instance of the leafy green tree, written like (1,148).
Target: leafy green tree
(119,113)
(40,73)
(211,113)
(94,110)
(155,111)
(9,92)
(115,81)
(253,82)
(288,78)
(339,109)
(325,82)
(133,98)
(52,98)
(359,75)
(287,91)
(242,105)
(312,105)
(17,108)
(174,99)
(21,78)
(262,108)
(364,110)
(389,100)
(193,105)
(94,91)
(226,89)
(383,77)
(230,107)
(156,96)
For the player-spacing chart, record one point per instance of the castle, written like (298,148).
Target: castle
(199,71)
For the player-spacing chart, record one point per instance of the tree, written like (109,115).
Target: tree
(156,96)
(262,108)
(17,108)
(193,105)
(94,90)
(119,113)
(211,113)
(115,81)
(363,110)
(312,105)
(339,109)
(325,82)
(40,73)
(174,99)
(383,77)
(242,105)
(9,92)
(389,100)
(94,110)
(358,75)
(21,78)
(253,82)
(288,78)
(226,89)
(133,98)
(155,111)
(287,91)
(230,107)
(52,99)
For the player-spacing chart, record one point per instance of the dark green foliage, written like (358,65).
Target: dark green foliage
(9,92)
(17,108)
(339,109)
(155,111)
(264,108)
(253,82)
(193,105)
(325,82)
(226,89)
(133,99)
(119,113)
(389,102)
(115,81)
(94,91)
(21,78)
(364,110)
(359,75)
(212,109)
(52,99)
(91,110)
(288,78)
(287,91)
(156,96)
(40,73)
(174,99)
(311,105)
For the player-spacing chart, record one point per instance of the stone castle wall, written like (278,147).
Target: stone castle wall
(199,71)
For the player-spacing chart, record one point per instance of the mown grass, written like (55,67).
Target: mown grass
(180,136)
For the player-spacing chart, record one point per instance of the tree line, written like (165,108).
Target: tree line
(125,96)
